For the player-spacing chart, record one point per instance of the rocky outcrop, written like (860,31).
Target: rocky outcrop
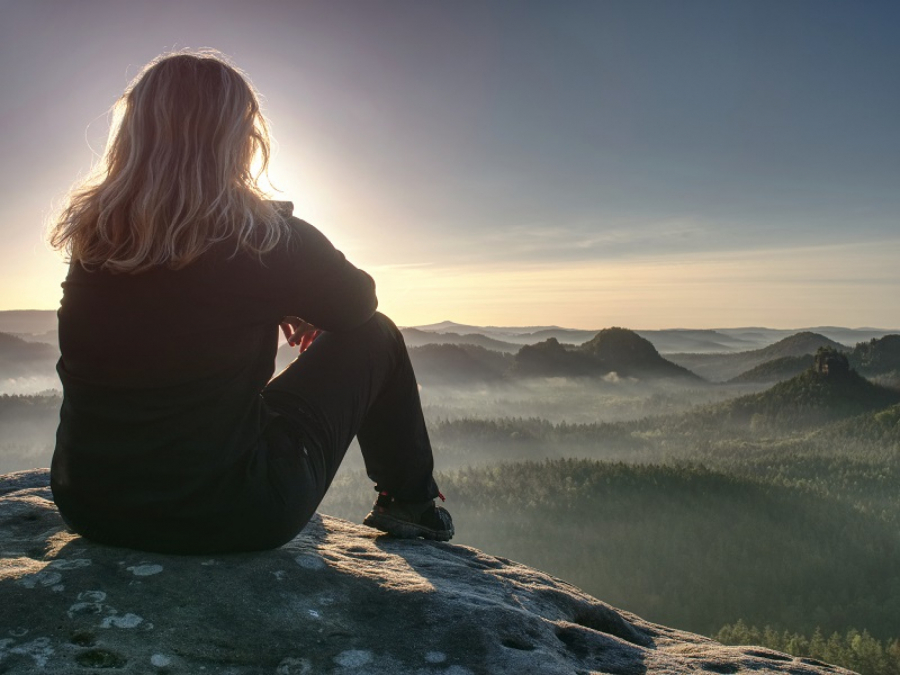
(626,353)
(340,598)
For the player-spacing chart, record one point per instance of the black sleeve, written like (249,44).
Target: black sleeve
(318,284)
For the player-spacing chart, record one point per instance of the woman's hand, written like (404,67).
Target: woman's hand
(299,332)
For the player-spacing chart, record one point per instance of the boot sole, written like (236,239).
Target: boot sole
(404,529)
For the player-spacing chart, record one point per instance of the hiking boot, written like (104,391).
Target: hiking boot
(409,520)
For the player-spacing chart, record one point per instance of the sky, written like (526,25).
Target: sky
(583,163)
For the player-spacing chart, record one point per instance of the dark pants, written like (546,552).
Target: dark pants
(354,383)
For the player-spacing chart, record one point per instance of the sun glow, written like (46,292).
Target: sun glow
(789,288)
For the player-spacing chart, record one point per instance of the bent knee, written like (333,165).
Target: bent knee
(380,326)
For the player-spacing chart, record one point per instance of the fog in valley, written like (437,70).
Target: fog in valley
(746,490)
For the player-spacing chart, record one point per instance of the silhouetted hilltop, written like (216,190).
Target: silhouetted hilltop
(722,367)
(417,338)
(776,370)
(811,398)
(551,359)
(626,353)
(805,342)
(612,350)
(457,363)
(565,335)
(19,358)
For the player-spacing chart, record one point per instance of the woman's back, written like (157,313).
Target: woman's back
(172,435)
(162,372)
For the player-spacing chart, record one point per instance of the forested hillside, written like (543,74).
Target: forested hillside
(458,364)
(19,358)
(682,545)
(722,367)
(782,368)
(878,358)
(709,507)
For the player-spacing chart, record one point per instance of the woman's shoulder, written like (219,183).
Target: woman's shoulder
(282,208)
(296,229)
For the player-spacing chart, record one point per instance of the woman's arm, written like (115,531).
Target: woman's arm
(299,332)
(319,285)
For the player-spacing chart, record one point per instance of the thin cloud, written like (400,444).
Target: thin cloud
(783,287)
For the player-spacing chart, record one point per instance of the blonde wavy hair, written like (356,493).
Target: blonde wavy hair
(178,172)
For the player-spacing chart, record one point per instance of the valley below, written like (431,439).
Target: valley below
(746,490)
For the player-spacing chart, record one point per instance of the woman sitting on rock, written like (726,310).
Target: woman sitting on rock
(173,434)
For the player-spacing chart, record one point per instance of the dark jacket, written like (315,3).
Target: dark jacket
(162,373)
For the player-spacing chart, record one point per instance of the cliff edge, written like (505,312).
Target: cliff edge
(340,598)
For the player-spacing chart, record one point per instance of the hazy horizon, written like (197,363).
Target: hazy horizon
(450,325)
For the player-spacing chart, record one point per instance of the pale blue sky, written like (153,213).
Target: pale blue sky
(650,164)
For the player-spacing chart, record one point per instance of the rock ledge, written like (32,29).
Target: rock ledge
(339,598)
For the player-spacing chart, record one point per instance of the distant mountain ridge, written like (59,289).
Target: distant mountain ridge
(612,350)
(445,326)
(666,341)
(688,340)
(717,355)
(415,337)
(723,367)
(29,323)
(457,359)
(516,335)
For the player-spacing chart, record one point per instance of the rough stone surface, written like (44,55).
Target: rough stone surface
(340,598)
